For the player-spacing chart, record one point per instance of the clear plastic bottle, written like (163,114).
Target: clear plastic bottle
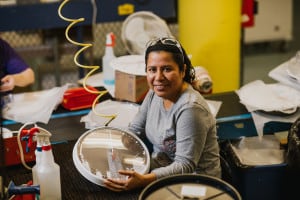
(49,175)
(108,71)
(38,157)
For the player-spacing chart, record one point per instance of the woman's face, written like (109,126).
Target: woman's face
(163,75)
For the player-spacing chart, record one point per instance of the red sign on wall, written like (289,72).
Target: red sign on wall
(248,11)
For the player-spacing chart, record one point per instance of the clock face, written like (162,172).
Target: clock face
(189,186)
(101,152)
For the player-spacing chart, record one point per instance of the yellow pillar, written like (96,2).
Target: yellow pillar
(209,30)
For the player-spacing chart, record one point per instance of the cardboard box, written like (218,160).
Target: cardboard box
(130,87)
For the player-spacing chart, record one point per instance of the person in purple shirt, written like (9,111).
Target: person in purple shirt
(14,72)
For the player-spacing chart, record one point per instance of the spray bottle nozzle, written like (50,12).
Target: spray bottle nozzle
(110,39)
(28,136)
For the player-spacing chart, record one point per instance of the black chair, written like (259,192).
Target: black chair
(293,160)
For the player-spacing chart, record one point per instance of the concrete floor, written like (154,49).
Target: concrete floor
(260,59)
(257,67)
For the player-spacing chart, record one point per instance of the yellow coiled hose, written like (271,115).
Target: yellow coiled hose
(84,46)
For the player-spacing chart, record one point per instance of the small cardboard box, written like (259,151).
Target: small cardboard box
(130,87)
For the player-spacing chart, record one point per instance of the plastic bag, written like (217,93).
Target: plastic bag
(34,106)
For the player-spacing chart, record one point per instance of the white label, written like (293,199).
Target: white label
(193,191)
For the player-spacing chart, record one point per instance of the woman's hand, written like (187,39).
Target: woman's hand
(134,180)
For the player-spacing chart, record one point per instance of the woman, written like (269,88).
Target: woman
(14,71)
(174,118)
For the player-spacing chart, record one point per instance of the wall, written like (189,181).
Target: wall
(210,31)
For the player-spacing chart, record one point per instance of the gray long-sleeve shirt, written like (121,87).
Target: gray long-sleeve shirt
(184,138)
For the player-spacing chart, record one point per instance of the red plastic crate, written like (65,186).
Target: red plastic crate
(13,154)
(79,98)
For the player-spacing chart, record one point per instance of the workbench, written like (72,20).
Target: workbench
(233,120)
(66,128)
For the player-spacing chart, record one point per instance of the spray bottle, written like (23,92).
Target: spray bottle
(48,174)
(108,71)
(38,157)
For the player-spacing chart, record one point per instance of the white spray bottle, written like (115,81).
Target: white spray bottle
(108,71)
(38,157)
(48,174)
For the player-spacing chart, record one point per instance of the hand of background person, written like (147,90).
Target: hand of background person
(7,83)
(22,79)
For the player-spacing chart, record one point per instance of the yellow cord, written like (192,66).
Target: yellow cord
(84,47)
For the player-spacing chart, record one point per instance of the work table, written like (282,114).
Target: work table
(233,121)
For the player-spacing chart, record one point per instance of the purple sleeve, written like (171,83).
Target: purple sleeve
(12,62)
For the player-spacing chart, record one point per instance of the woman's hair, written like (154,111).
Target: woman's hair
(178,53)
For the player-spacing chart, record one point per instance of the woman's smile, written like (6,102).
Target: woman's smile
(163,75)
(160,87)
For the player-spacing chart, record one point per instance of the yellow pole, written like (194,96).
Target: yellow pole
(210,31)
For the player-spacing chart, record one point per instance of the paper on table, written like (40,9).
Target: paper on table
(280,73)
(96,80)
(32,107)
(273,97)
(125,112)
(293,68)
(257,95)
(214,106)
(261,118)
(130,64)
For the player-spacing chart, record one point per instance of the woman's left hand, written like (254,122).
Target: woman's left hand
(133,180)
